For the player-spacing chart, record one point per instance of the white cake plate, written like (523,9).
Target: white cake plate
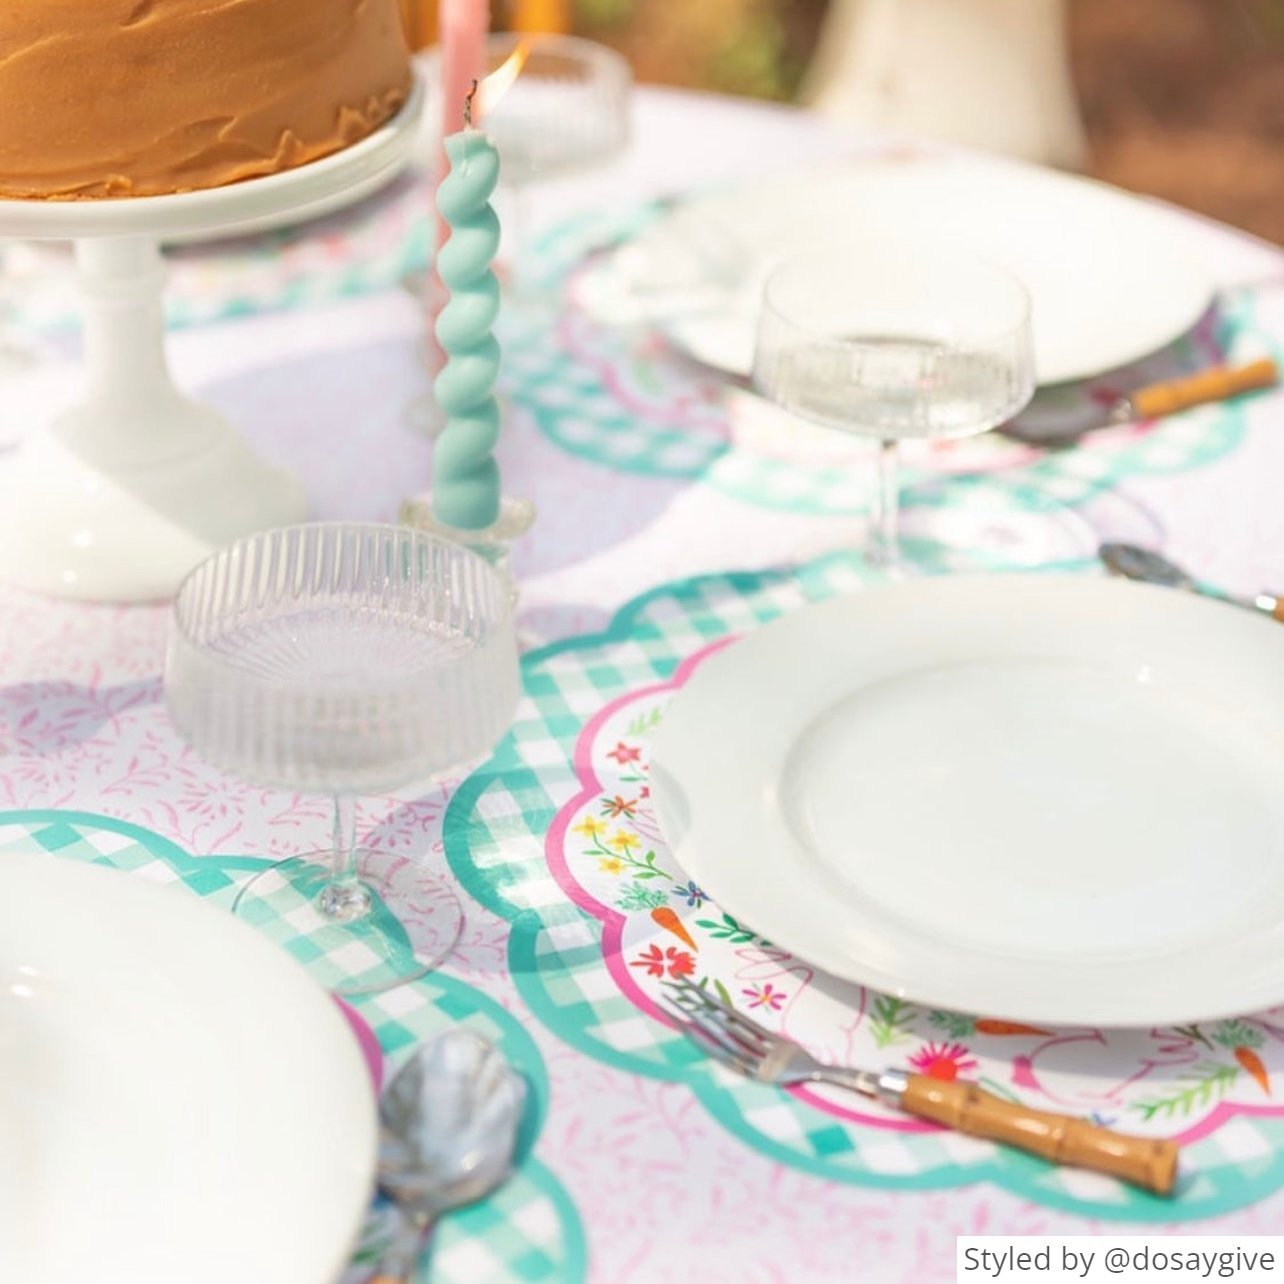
(120,496)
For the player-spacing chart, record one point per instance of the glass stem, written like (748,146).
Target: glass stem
(884,539)
(344,897)
(517,233)
(344,839)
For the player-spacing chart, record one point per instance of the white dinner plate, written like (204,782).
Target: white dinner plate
(1112,278)
(1044,798)
(178,1100)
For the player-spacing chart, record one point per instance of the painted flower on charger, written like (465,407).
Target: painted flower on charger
(618,806)
(693,895)
(610,864)
(942,1060)
(623,753)
(657,961)
(623,841)
(590,827)
(765,996)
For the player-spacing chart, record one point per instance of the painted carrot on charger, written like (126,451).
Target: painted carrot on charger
(1243,1041)
(987,1025)
(1253,1064)
(668,920)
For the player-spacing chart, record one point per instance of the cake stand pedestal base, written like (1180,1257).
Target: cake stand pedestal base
(118,498)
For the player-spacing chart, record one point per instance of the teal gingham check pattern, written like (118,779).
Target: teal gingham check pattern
(495,840)
(528,1232)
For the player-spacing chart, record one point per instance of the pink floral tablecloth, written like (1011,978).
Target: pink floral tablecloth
(671,519)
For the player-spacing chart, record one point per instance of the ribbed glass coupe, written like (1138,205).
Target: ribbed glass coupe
(893,339)
(347,659)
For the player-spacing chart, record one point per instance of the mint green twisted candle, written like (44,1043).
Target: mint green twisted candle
(465,492)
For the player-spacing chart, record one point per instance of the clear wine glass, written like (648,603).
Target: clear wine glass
(892,339)
(347,659)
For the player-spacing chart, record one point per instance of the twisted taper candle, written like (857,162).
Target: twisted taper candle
(465,475)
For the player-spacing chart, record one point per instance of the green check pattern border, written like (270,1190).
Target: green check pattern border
(529,1231)
(495,830)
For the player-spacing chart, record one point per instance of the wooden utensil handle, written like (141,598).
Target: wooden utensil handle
(966,1108)
(1209,385)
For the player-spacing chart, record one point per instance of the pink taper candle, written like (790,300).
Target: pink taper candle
(462,27)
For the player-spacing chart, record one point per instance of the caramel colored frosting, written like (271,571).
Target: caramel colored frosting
(102,98)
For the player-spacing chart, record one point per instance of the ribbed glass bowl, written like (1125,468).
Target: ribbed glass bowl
(339,657)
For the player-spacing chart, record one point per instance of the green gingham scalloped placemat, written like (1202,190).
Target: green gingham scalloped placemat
(568,969)
(528,1231)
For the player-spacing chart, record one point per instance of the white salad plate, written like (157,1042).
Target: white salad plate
(1037,797)
(1112,278)
(180,1101)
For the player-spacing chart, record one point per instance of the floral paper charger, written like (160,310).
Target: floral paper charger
(557,833)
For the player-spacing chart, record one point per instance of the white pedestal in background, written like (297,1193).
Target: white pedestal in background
(991,74)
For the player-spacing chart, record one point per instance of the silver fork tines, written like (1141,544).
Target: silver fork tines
(756,1052)
(714,1040)
(691,995)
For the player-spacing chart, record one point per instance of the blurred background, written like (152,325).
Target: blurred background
(1182,99)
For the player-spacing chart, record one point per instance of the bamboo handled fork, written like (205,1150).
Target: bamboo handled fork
(736,1041)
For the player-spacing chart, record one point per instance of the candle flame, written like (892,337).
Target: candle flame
(498,83)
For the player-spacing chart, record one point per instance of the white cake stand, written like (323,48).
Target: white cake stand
(119,497)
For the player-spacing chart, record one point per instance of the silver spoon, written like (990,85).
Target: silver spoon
(447,1129)
(1151,568)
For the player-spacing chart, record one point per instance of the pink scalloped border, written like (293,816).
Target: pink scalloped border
(613,922)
